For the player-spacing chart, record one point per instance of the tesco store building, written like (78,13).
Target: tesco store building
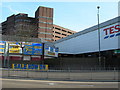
(86,43)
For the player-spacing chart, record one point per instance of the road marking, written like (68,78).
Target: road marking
(87,85)
(15,75)
(72,82)
(51,83)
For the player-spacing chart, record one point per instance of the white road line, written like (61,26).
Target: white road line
(72,82)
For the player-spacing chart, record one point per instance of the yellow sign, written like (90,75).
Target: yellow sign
(2,47)
(29,66)
(14,49)
(51,53)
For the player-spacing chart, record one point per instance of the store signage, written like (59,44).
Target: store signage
(117,51)
(112,31)
(29,66)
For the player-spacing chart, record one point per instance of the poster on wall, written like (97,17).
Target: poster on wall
(27,50)
(51,51)
(15,47)
(2,46)
(34,49)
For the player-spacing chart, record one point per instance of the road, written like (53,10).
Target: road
(22,83)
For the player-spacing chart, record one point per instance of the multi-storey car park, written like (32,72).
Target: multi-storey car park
(61,32)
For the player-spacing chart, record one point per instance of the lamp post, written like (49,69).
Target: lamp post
(98,7)
(43,51)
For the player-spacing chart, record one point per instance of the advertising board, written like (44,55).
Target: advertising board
(15,47)
(34,49)
(2,46)
(28,48)
(30,66)
(51,51)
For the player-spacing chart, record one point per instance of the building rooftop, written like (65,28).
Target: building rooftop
(93,28)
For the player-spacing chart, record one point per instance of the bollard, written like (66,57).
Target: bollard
(114,73)
(91,73)
(8,72)
(68,73)
(27,73)
(47,74)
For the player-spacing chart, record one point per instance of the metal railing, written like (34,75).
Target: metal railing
(108,74)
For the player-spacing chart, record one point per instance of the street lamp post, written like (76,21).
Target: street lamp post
(43,51)
(98,7)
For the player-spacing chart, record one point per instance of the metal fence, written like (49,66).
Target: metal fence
(91,74)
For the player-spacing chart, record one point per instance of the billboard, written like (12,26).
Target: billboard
(2,46)
(15,47)
(30,66)
(51,51)
(28,48)
(34,49)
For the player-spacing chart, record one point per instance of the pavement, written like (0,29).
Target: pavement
(22,83)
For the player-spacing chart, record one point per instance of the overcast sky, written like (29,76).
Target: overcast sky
(76,16)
